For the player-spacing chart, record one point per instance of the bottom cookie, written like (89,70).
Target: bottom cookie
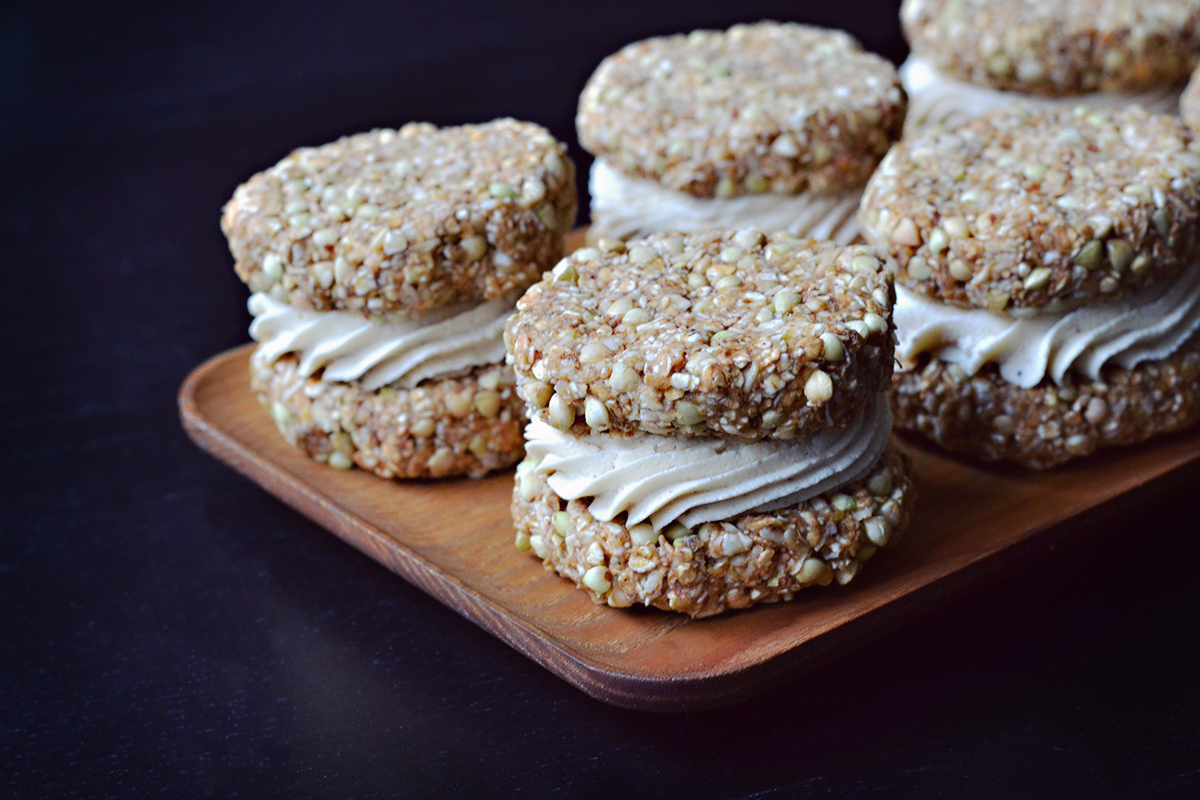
(759,557)
(988,418)
(466,425)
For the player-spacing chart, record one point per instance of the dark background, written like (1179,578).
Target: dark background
(170,630)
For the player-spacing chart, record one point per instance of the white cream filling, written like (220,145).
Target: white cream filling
(935,98)
(1148,326)
(623,206)
(663,479)
(352,347)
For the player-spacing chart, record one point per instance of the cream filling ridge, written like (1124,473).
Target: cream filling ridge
(935,98)
(663,479)
(623,206)
(352,347)
(1148,326)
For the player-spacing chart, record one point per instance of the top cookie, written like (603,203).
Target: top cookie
(398,223)
(1057,47)
(1048,210)
(722,333)
(1189,103)
(770,107)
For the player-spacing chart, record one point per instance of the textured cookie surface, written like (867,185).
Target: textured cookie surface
(990,419)
(1189,103)
(759,108)
(403,222)
(754,558)
(466,425)
(1039,210)
(721,333)
(1056,48)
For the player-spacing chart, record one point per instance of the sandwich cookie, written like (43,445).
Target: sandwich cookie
(972,56)
(383,267)
(1048,292)
(708,427)
(771,125)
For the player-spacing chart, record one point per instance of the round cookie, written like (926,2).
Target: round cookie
(1017,210)
(1189,103)
(465,425)
(986,417)
(1060,48)
(1054,222)
(398,223)
(727,334)
(384,266)
(753,558)
(708,422)
(769,107)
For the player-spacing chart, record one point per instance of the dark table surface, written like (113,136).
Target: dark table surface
(170,630)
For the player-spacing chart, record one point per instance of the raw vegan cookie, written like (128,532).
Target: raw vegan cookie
(730,334)
(467,424)
(1051,211)
(989,418)
(1048,293)
(708,425)
(775,125)
(384,266)
(970,56)
(717,566)
(398,223)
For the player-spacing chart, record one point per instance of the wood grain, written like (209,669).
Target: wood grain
(454,539)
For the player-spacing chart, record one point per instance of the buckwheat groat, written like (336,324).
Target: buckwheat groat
(708,422)
(1189,104)
(719,333)
(384,266)
(971,56)
(1048,298)
(772,125)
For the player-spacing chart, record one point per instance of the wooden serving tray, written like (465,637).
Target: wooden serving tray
(454,539)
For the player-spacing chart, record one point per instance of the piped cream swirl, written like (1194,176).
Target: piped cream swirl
(935,98)
(1147,326)
(623,206)
(663,479)
(351,347)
